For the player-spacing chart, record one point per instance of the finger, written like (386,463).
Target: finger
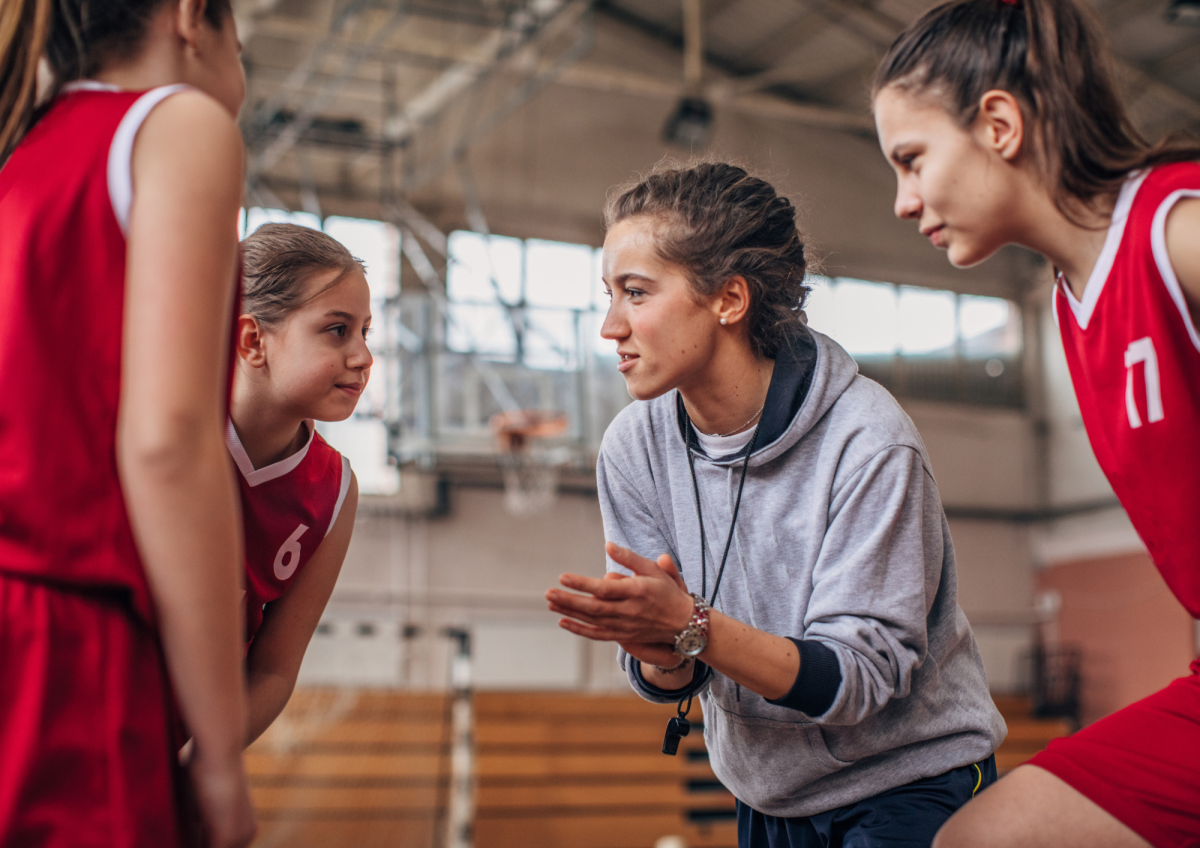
(615,575)
(587,631)
(597,586)
(612,591)
(636,563)
(597,620)
(577,605)
(671,570)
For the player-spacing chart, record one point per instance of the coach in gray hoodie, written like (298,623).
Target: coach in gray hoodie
(841,684)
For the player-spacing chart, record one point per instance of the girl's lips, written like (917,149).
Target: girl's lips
(352,388)
(627,363)
(935,236)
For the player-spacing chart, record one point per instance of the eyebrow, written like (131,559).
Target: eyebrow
(622,279)
(896,155)
(345,316)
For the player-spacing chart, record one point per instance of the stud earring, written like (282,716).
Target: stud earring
(722,322)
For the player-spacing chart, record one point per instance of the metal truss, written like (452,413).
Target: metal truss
(477,89)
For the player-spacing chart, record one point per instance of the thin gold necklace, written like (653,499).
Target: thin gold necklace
(739,429)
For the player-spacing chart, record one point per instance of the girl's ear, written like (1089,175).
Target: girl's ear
(1001,123)
(189,17)
(733,301)
(249,342)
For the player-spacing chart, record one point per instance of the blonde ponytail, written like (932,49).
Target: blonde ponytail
(24,31)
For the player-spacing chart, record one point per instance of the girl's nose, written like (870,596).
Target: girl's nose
(908,202)
(361,356)
(614,327)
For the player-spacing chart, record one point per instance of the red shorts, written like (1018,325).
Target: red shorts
(1141,764)
(88,759)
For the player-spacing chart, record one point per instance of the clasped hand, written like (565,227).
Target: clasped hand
(642,613)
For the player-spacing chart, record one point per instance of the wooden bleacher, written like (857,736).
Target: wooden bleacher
(1026,735)
(359,768)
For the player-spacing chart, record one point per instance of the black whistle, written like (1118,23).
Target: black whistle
(677,728)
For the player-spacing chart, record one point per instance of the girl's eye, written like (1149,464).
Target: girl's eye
(634,292)
(367,331)
(338,330)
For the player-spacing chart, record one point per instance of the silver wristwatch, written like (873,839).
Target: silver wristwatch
(693,639)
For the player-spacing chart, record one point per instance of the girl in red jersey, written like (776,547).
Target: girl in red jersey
(301,356)
(119,550)
(1002,122)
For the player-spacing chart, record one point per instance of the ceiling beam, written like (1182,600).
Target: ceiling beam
(480,60)
(713,9)
(779,46)
(598,77)
(613,80)
(618,80)
(723,91)
(271,153)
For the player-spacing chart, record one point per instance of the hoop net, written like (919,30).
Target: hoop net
(530,473)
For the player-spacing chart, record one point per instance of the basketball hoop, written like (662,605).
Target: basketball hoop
(530,472)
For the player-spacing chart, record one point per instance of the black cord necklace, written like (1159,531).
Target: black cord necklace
(679,726)
(737,505)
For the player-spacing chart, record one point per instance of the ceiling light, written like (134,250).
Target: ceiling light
(1184,12)
(690,123)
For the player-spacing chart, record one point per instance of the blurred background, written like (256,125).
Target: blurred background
(464,150)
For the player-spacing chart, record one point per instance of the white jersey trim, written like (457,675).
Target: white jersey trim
(89,85)
(275,470)
(337,507)
(120,154)
(1158,243)
(1084,309)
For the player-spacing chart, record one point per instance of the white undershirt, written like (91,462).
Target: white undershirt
(718,446)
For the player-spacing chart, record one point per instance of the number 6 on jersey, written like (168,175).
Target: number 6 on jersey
(291,551)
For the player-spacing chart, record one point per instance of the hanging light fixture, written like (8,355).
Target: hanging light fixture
(1184,12)
(690,123)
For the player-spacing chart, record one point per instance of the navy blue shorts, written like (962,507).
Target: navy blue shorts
(905,817)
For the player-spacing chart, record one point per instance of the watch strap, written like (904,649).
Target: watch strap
(697,628)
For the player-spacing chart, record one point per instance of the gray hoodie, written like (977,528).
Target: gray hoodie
(841,544)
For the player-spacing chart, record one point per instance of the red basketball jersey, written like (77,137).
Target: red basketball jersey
(288,508)
(1134,356)
(65,196)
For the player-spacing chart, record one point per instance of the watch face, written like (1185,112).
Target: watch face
(691,643)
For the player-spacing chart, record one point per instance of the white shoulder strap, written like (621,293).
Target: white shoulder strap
(120,154)
(337,508)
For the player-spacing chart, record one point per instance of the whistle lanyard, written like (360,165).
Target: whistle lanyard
(679,726)
(737,505)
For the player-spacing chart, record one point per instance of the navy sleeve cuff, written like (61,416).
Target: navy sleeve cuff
(818,681)
(700,675)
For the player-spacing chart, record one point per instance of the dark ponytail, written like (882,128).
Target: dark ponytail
(1053,57)
(76,38)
